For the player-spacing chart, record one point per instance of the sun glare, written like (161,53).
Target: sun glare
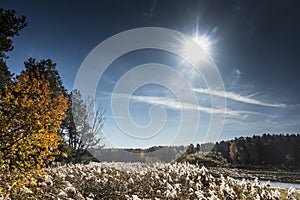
(192,48)
(203,42)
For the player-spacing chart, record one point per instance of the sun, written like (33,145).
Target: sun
(203,42)
(195,47)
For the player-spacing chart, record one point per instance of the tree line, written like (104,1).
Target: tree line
(266,150)
(276,150)
(152,154)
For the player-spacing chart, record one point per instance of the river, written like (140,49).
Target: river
(283,185)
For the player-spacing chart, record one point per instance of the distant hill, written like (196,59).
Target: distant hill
(156,153)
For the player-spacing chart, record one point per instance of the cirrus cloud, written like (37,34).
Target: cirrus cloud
(237,97)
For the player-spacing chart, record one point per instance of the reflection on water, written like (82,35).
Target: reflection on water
(283,185)
(274,184)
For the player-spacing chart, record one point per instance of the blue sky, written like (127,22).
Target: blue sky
(254,45)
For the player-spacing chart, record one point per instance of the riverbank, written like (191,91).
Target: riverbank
(280,179)
(284,194)
(271,175)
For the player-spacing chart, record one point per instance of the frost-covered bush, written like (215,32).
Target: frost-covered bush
(140,181)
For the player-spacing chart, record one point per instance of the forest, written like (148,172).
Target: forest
(264,151)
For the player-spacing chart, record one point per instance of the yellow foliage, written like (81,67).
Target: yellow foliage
(64,154)
(30,117)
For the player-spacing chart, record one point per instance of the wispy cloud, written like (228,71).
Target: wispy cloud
(175,105)
(150,13)
(237,97)
(115,117)
(238,73)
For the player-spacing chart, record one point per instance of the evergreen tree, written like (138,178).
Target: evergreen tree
(10,26)
(48,69)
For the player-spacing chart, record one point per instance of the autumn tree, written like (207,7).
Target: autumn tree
(233,151)
(46,68)
(10,26)
(30,117)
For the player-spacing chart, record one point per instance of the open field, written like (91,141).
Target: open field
(140,181)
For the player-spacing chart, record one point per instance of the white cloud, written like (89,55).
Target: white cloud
(175,105)
(237,97)
(238,72)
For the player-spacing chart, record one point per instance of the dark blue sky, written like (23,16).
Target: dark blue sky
(255,45)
